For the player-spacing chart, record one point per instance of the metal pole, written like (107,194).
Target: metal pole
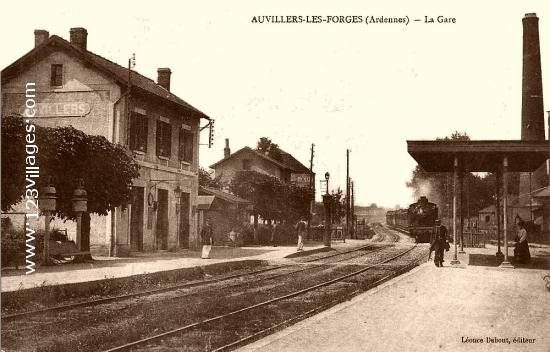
(530,197)
(455,260)
(499,254)
(347,195)
(47,238)
(506,263)
(79,231)
(461,192)
(311,189)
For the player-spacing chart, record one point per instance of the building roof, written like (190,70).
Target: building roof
(542,193)
(482,155)
(204,202)
(248,149)
(288,162)
(226,196)
(293,163)
(109,68)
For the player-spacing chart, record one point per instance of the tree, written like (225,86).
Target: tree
(267,147)
(65,156)
(272,198)
(206,179)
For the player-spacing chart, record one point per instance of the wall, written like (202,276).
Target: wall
(91,102)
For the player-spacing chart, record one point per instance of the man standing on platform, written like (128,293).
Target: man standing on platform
(301,228)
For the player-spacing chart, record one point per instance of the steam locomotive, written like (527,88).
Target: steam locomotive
(418,221)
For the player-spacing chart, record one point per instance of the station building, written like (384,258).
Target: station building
(77,87)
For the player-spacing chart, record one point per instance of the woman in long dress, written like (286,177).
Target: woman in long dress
(521,252)
(206,240)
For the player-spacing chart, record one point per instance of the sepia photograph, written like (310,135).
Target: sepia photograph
(265,176)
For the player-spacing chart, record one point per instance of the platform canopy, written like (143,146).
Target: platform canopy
(479,156)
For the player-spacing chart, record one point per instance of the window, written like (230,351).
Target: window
(185,152)
(246,164)
(487,218)
(56,79)
(164,139)
(138,132)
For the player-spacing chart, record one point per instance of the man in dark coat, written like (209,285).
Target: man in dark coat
(438,243)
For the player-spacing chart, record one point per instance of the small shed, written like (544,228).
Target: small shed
(224,210)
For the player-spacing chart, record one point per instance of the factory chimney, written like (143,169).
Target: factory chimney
(532,112)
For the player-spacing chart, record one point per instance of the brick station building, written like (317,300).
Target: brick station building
(77,87)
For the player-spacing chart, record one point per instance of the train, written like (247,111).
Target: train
(418,221)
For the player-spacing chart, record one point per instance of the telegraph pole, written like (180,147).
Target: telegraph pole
(312,190)
(352,210)
(346,233)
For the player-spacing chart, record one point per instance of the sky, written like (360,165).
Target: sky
(367,88)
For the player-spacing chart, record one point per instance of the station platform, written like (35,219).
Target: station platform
(473,306)
(102,268)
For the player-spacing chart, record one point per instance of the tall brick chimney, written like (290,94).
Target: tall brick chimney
(40,36)
(532,111)
(226,150)
(163,78)
(79,37)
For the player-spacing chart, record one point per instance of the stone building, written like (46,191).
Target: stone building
(77,87)
(288,169)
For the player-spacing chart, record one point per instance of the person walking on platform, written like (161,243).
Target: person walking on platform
(301,228)
(439,244)
(521,251)
(206,240)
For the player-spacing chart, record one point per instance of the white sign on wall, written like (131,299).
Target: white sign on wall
(63,109)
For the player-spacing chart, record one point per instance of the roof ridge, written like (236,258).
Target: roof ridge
(109,67)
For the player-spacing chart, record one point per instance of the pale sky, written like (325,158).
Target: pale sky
(368,88)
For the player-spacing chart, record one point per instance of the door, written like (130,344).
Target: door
(184,220)
(162,219)
(136,220)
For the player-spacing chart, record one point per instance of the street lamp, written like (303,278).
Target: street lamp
(327,202)
(80,205)
(47,202)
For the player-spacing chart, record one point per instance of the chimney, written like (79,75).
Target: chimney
(40,36)
(532,111)
(79,37)
(226,150)
(163,78)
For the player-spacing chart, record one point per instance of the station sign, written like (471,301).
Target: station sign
(60,109)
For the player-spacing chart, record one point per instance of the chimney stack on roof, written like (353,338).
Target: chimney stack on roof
(79,37)
(40,36)
(226,150)
(163,78)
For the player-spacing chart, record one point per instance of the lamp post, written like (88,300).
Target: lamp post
(80,205)
(47,203)
(327,202)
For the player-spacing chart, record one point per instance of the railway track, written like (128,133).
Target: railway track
(385,234)
(89,303)
(249,309)
(128,319)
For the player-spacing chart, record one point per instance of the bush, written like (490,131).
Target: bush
(13,245)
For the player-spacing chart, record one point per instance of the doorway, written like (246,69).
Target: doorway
(136,219)
(184,220)
(162,219)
